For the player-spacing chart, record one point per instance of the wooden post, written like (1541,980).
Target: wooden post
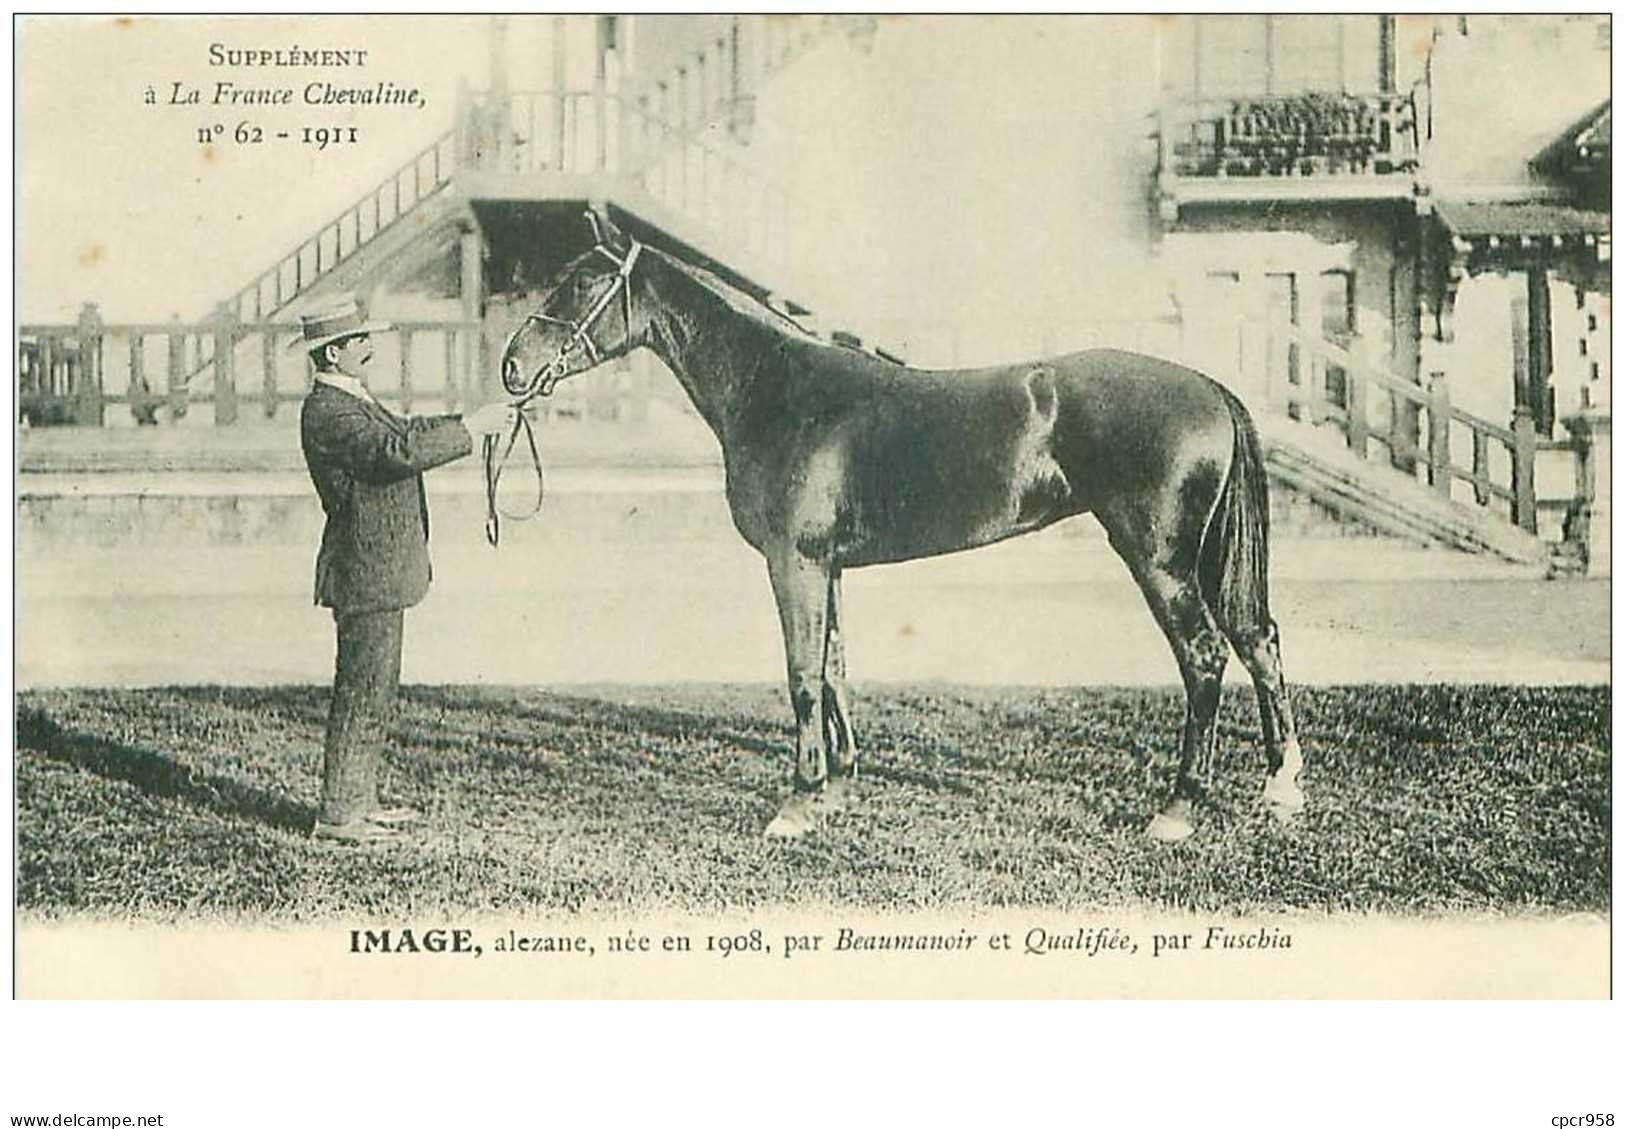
(1314,386)
(142,405)
(1592,431)
(1481,467)
(136,391)
(471,251)
(91,407)
(1439,433)
(176,380)
(268,372)
(1523,468)
(1540,348)
(225,368)
(1354,401)
(48,350)
(1434,355)
(451,337)
(1519,317)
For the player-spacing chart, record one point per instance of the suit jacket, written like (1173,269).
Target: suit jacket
(367,464)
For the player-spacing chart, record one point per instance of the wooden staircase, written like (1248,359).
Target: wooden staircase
(712,88)
(397,213)
(1367,445)
(1386,453)
(583,144)
(1386,499)
(541,146)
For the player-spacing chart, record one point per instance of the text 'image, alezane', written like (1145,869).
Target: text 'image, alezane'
(1150,508)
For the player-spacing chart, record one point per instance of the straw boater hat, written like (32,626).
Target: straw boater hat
(339,319)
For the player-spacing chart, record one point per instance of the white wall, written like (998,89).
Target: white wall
(1507,89)
(987,177)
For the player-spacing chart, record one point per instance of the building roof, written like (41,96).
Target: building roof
(1478,220)
(1598,137)
(1587,144)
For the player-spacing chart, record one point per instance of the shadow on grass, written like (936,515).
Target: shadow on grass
(583,712)
(156,774)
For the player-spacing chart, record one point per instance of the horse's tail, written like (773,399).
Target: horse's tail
(1235,558)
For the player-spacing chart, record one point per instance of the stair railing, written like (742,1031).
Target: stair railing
(1324,385)
(334,242)
(705,182)
(518,132)
(525,132)
(716,82)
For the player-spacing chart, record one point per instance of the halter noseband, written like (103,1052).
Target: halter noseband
(548,377)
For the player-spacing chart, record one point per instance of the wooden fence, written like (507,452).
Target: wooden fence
(98,374)
(161,372)
(1535,482)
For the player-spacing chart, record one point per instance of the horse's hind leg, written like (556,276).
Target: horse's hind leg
(1200,649)
(1260,650)
(840,744)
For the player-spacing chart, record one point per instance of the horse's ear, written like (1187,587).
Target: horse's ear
(604,230)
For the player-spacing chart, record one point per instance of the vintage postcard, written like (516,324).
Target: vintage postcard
(813,506)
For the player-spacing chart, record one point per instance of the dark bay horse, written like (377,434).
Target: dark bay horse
(836,459)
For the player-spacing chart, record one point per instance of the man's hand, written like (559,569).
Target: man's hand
(489,419)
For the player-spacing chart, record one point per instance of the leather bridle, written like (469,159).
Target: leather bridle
(548,377)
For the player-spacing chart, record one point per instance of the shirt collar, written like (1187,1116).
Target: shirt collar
(346,384)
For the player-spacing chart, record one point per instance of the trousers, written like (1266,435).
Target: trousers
(366,677)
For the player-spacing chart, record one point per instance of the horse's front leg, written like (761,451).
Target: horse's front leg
(801,587)
(840,744)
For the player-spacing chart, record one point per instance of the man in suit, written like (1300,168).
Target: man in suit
(367,464)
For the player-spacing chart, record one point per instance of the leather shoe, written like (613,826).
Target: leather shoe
(358,832)
(394,816)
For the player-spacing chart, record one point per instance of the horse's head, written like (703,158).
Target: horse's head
(585,319)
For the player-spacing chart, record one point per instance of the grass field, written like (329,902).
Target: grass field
(195,802)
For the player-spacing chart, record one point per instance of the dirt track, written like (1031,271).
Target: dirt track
(550,610)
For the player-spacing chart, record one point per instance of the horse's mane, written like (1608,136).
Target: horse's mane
(740,301)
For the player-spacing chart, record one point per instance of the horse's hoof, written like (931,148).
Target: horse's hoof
(1168,827)
(1283,797)
(798,816)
